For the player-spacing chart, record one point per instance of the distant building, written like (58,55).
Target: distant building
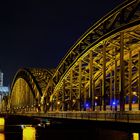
(4,90)
(1,78)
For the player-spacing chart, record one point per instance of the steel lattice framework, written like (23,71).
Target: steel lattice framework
(101,70)
(28,86)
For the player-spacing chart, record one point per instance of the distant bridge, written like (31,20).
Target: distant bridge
(101,72)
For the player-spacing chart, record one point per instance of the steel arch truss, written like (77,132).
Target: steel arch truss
(103,66)
(28,86)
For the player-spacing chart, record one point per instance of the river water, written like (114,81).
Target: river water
(60,131)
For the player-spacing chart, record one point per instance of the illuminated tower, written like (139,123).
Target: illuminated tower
(1,78)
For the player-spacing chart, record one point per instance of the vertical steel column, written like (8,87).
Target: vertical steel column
(111,90)
(139,78)
(52,102)
(63,96)
(100,94)
(91,82)
(80,84)
(115,80)
(71,86)
(85,98)
(130,79)
(29,95)
(104,78)
(121,81)
(93,93)
(20,92)
(57,102)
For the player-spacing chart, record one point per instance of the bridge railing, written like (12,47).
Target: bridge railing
(105,116)
(126,116)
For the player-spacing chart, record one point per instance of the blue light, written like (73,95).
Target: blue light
(87,105)
(134,99)
(114,103)
(133,102)
(95,103)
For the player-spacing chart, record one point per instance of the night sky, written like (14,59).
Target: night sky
(39,33)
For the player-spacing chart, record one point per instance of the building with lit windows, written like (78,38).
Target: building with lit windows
(4,90)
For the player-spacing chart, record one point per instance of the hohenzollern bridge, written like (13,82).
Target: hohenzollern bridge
(100,73)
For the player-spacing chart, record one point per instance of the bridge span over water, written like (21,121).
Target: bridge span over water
(101,72)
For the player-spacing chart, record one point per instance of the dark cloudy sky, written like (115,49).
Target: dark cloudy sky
(38,33)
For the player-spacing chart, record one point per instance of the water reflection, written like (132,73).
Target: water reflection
(2,123)
(2,136)
(29,133)
(58,130)
(135,136)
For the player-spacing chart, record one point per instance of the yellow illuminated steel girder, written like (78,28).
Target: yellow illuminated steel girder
(92,63)
(28,83)
(113,22)
(106,18)
(110,63)
(98,60)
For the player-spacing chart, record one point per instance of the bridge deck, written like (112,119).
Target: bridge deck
(129,117)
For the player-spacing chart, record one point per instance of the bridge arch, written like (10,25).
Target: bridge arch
(102,66)
(28,86)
